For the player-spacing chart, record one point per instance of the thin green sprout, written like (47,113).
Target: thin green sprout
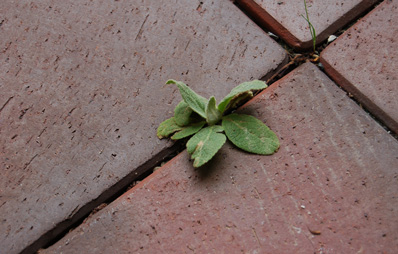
(311,27)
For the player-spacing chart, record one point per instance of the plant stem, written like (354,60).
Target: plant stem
(312,29)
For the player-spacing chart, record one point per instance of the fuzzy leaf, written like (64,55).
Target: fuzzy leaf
(250,134)
(242,88)
(213,115)
(238,99)
(182,112)
(167,127)
(196,102)
(188,130)
(205,144)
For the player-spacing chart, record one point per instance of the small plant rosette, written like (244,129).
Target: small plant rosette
(211,124)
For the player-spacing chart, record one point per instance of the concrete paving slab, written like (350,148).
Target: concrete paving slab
(284,17)
(364,62)
(82,93)
(331,188)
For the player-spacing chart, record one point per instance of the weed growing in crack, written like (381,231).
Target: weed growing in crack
(201,117)
(311,27)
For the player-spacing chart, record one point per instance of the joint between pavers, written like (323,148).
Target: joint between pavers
(268,23)
(376,113)
(80,214)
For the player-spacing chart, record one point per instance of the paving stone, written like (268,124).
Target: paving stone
(284,17)
(364,62)
(82,93)
(331,188)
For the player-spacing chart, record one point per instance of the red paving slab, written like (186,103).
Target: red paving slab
(364,62)
(82,92)
(331,188)
(284,17)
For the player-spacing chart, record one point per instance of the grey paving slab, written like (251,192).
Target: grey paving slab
(364,62)
(284,18)
(331,188)
(82,93)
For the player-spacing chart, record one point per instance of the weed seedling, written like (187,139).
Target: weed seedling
(312,29)
(201,117)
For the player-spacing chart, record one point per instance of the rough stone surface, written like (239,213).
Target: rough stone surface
(364,62)
(284,17)
(82,93)
(331,188)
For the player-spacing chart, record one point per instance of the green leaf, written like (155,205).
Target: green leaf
(205,144)
(250,134)
(213,115)
(196,102)
(238,99)
(182,113)
(242,88)
(188,130)
(167,127)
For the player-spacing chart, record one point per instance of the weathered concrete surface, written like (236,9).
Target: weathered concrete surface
(331,188)
(364,62)
(284,17)
(82,93)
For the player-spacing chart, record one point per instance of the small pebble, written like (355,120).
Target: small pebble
(332,38)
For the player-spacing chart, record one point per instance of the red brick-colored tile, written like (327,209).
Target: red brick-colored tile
(331,188)
(284,17)
(364,62)
(82,93)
